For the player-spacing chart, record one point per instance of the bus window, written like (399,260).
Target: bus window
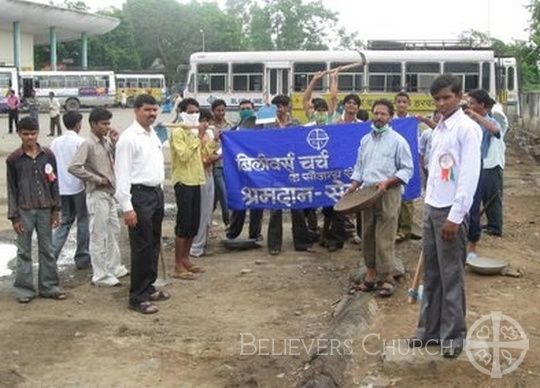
(469,72)
(212,77)
(191,83)
(132,82)
(303,73)
(351,80)
(5,80)
(510,84)
(155,83)
(248,77)
(420,75)
(486,75)
(384,77)
(144,83)
(121,82)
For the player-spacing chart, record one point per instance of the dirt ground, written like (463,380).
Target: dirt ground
(92,339)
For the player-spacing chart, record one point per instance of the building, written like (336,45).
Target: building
(24,24)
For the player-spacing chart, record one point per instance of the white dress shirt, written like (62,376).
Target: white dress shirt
(138,161)
(458,137)
(64,148)
(54,107)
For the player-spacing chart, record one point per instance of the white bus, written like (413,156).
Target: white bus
(135,84)
(260,75)
(8,80)
(72,88)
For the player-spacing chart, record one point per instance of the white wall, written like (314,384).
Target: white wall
(27,49)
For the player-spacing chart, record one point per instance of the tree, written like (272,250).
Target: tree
(285,24)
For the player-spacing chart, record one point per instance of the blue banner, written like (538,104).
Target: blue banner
(300,167)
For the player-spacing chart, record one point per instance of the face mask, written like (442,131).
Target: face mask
(190,118)
(379,130)
(320,117)
(246,113)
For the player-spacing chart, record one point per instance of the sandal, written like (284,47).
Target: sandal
(145,308)
(274,252)
(60,295)
(159,296)
(386,290)
(24,300)
(184,275)
(365,286)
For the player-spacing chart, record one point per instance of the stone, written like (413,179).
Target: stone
(246,271)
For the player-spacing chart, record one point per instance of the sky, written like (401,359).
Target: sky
(506,20)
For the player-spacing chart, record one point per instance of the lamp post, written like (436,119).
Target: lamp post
(203,40)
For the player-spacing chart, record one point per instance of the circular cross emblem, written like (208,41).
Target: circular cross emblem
(496,344)
(317,138)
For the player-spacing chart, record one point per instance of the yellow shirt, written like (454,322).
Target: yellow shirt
(187,155)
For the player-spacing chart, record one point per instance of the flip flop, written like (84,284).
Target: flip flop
(159,296)
(145,308)
(386,292)
(184,275)
(60,295)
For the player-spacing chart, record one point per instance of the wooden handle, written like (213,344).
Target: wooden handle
(346,67)
(416,280)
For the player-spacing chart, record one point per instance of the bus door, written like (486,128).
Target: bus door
(277,79)
(27,87)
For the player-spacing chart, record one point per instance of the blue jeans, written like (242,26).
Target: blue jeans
(48,283)
(74,206)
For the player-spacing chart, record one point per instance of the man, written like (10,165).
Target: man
(189,147)
(384,160)
(351,105)
(222,124)
(334,225)
(402,102)
(139,172)
(54,114)
(94,164)
(246,111)
(302,238)
(33,203)
(210,143)
(479,106)
(13,103)
(72,193)
(453,176)
(493,176)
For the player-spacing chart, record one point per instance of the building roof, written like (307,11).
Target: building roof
(36,18)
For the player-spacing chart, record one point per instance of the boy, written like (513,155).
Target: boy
(33,203)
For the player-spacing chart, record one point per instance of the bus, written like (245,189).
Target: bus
(8,80)
(72,88)
(260,75)
(135,84)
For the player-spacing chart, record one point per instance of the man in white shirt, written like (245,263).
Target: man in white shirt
(54,114)
(140,172)
(454,170)
(72,192)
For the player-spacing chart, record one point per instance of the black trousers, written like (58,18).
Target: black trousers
(13,117)
(144,240)
(334,234)
(238,218)
(302,237)
(493,188)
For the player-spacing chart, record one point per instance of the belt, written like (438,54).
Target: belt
(148,188)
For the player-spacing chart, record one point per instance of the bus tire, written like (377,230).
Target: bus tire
(72,104)
(130,102)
